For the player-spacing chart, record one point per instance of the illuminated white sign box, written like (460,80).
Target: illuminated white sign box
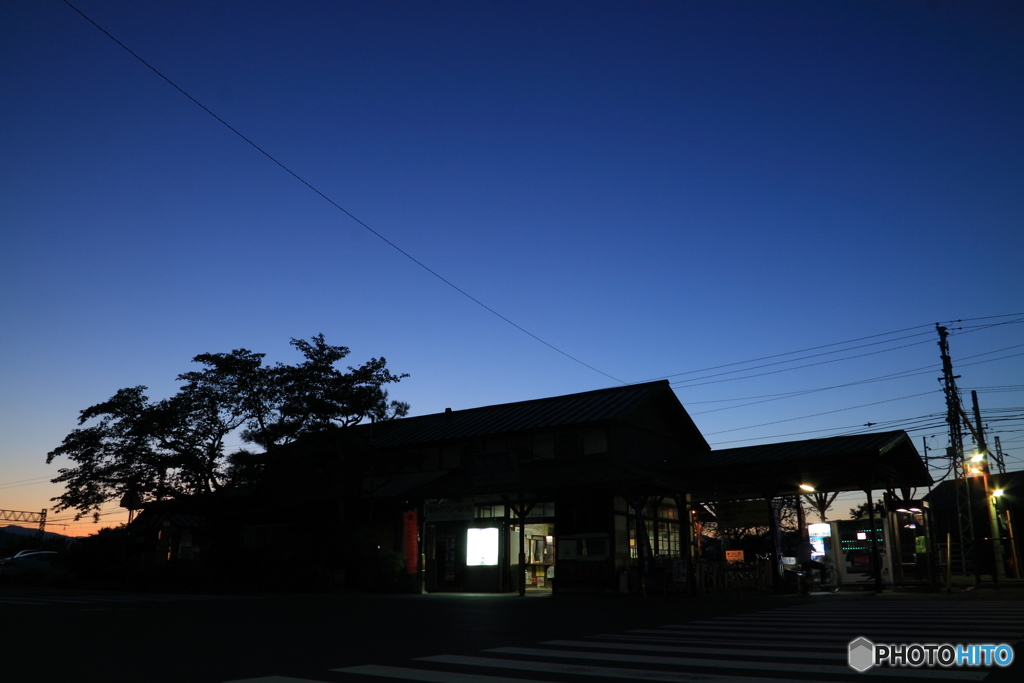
(482,547)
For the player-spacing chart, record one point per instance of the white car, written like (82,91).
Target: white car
(20,553)
(42,564)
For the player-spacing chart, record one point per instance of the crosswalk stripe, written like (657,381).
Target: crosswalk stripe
(274,679)
(603,671)
(640,647)
(784,619)
(878,630)
(430,676)
(867,614)
(823,669)
(819,638)
(924,622)
(789,619)
(694,640)
(762,647)
(864,608)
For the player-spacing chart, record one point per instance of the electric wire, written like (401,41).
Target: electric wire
(333,203)
(986,317)
(778,397)
(688,383)
(843,343)
(24,482)
(913,372)
(794,360)
(827,412)
(898,375)
(90,515)
(427,268)
(1010,388)
(828,432)
(682,384)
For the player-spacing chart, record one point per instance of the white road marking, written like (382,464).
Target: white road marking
(640,647)
(431,676)
(606,671)
(823,669)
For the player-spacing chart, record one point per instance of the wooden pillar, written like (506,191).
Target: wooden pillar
(876,559)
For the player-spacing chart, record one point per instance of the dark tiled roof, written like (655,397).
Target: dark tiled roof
(810,449)
(840,463)
(537,414)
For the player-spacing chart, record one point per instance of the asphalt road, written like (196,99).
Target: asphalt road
(87,636)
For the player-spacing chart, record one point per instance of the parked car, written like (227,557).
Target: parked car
(39,565)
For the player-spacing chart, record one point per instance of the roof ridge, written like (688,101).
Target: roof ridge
(586,407)
(805,441)
(449,411)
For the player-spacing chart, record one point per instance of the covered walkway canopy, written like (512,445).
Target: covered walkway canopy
(864,462)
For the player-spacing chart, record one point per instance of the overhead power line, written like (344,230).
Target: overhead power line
(793,353)
(687,384)
(452,285)
(973,328)
(903,374)
(23,482)
(333,203)
(793,394)
(827,412)
(695,382)
(910,424)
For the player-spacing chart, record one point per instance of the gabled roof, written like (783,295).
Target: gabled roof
(590,407)
(839,463)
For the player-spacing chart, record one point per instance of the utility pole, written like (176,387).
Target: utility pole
(961,483)
(998,457)
(925,449)
(990,501)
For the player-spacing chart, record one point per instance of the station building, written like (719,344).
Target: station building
(590,492)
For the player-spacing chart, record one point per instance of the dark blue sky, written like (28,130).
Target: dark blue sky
(653,188)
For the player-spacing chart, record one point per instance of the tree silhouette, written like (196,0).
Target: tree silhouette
(861,511)
(175,447)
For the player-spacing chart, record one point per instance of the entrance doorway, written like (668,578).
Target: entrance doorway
(540,557)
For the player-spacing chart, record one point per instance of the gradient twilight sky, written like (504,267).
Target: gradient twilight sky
(654,188)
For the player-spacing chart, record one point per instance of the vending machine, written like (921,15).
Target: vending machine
(852,552)
(846,547)
(820,536)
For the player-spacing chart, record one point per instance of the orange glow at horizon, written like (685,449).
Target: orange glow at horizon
(63,522)
(37,494)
